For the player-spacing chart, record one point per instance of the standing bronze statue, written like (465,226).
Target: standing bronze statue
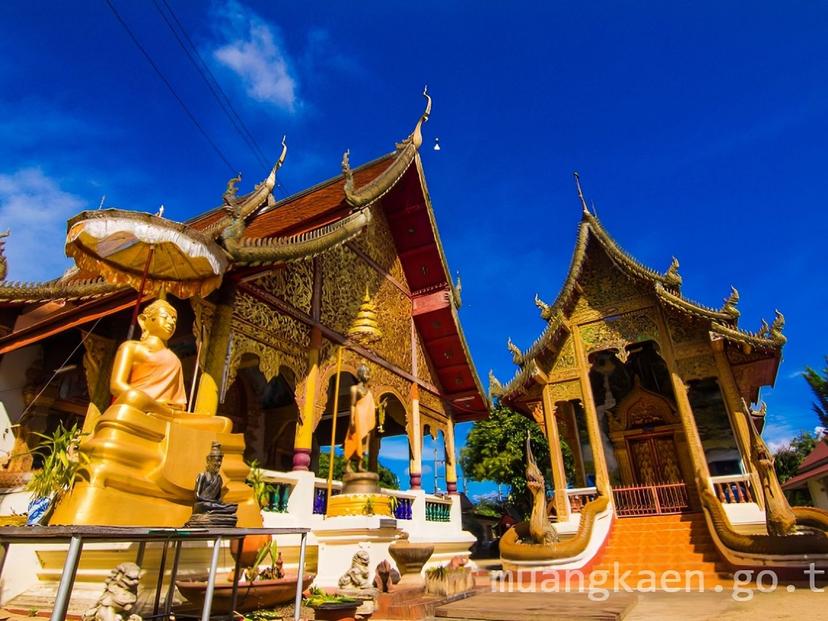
(363,421)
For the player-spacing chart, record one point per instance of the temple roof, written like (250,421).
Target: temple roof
(665,286)
(259,231)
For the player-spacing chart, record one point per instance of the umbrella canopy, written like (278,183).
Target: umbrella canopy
(149,253)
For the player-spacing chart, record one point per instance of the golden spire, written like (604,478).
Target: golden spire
(365,326)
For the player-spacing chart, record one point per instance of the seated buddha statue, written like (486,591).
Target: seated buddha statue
(147,375)
(145,451)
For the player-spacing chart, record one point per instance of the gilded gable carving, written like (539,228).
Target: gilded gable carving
(696,367)
(292,283)
(685,329)
(603,285)
(378,243)
(566,358)
(619,331)
(286,332)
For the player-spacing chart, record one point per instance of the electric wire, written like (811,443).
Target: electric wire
(169,86)
(209,78)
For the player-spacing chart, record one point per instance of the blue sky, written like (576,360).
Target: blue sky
(699,130)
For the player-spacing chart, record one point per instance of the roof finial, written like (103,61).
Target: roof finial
(417,134)
(580,192)
(271,178)
(545,309)
(672,274)
(457,291)
(776,328)
(730,303)
(495,387)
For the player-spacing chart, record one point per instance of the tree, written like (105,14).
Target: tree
(496,451)
(819,385)
(788,458)
(387,478)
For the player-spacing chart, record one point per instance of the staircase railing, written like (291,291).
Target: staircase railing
(664,499)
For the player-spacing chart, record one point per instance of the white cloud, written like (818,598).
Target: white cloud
(395,449)
(253,49)
(35,209)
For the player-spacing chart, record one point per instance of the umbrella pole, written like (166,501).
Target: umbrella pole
(134,319)
(333,422)
(191,403)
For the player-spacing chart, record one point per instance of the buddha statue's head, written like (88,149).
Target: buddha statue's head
(363,374)
(158,319)
(214,458)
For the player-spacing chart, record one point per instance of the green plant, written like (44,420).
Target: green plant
(62,460)
(319,598)
(262,615)
(275,571)
(255,479)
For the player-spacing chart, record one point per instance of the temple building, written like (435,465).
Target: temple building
(360,247)
(649,392)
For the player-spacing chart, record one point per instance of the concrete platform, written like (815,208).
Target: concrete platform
(537,607)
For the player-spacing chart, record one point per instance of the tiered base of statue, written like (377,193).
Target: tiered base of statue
(360,496)
(142,468)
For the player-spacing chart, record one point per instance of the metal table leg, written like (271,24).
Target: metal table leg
(160,583)
(211,581)
(297,604)
(168,602)
(67,580)
(4,552)
(236,577)
(139,558)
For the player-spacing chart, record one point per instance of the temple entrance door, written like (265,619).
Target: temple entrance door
(655,460)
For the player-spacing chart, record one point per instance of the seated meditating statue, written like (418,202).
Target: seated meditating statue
(146,374)
(208,509)
(144,452)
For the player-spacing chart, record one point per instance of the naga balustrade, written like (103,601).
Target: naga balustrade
(735,489)
(650,500)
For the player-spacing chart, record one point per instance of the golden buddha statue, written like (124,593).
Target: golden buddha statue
(145,451)
(363,421)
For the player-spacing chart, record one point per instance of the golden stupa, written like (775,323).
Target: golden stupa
(365,327)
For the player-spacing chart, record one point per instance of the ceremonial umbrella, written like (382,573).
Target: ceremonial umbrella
(149,253)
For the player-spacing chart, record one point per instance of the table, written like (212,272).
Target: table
(78,535)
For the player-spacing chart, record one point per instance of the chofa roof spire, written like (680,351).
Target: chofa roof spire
(577,178)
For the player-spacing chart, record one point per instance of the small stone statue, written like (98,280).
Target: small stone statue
(208,509)
(357,576)
(117,601)
(385,576)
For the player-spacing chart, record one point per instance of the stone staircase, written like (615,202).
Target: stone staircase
(654,545)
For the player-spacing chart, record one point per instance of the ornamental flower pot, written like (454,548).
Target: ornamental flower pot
(251,595)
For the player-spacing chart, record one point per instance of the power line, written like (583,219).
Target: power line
(209,78)
(169,86)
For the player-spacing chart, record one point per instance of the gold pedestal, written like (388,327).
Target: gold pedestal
(142,470)
(359,504)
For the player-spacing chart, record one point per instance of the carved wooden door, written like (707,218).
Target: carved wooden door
(655,460)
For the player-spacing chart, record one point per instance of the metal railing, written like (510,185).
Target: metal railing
(579,497)
(650,499)
(734,489)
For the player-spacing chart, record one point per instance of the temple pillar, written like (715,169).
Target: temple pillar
(573,440)
(219,340)
(591,414)
(451,458)
(688,422)
(738,420)
(303,441)
(415,440)
(555,454)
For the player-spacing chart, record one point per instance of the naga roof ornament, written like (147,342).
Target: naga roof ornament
(546,311)
(495,387)
(3,263)
(776,328)
(517,355)
(764,330)
(382,184)
(672,275)
(457,292)
(730,303)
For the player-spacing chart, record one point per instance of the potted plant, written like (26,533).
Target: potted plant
(331,607)
(62,460)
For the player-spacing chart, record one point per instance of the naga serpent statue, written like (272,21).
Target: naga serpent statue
(537,540)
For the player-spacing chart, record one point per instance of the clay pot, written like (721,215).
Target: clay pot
(250,548)
(410,557)
(336,612)
(251,596)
